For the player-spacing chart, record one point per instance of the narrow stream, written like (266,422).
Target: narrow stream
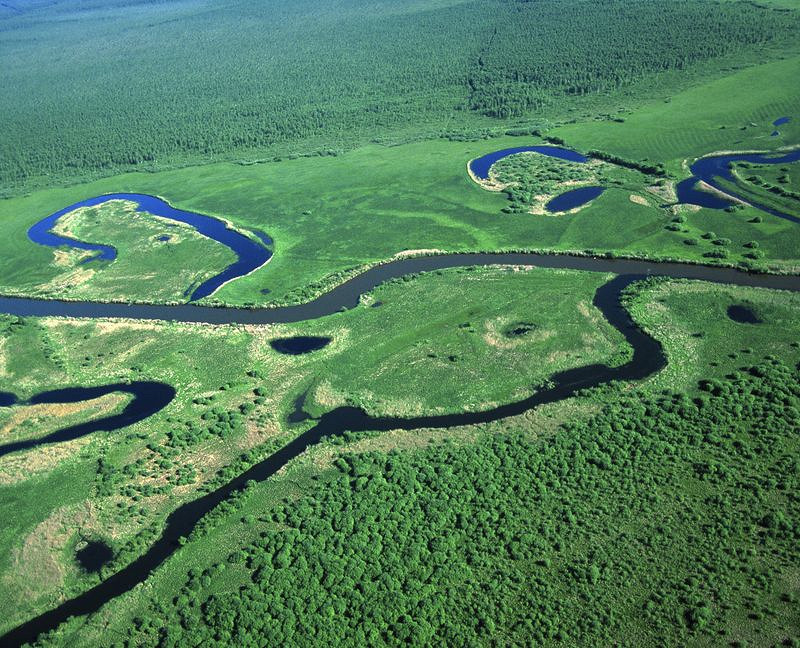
(648,358)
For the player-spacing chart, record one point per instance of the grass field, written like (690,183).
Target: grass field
(656,513)
(733,112)
(151,467)
(775,187)
(637,541)
(157,259)
(328,215)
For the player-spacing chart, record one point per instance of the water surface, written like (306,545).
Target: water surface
(94,555)
(149,397)
(480,166)
(648,358)
(573,198)
(299,344)
(250,255)
(713,168)
(743,314)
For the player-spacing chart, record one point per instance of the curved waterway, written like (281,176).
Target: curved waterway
(715,167)
(347,294)
(480,166)
(648,358)
(149,397)
(250,255)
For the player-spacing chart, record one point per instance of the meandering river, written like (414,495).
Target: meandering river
(648,358)
(150,397)
(712,168)
(250,254)
(709,169)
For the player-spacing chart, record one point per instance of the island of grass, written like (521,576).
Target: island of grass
(532,180)
(775,186)
(156,259)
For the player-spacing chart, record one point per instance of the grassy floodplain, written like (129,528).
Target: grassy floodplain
(157,259)
(638,527)
(775,187)
(234,410)
(330,215)
(662,512)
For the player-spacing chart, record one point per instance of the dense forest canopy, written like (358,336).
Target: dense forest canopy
(113,85)
(636,527)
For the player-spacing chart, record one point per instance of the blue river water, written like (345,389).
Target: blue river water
(480,166)
(568,200)
(149,397)
(250,254)
(573,198)
(709,169)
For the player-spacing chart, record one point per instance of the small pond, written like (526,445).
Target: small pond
(743,314)
(518,329)
(94,555)
(299,344)
(573,198)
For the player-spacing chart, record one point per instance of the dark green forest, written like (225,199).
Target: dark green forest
(660,521)
(106,86)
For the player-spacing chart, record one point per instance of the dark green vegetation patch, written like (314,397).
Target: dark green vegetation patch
(659,522)
(244,77)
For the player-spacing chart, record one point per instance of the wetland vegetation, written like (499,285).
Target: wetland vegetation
(347,445)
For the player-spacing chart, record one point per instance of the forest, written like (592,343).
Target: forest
(662,520)
(94,94)
(520,424)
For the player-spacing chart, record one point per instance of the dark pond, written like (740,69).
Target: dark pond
(165,237)
(94,555)
(775,133)
(743,314)
(519,329)
(480,166)
(573,198)
(299,344)
(250,254)
(781,121)
(708,169)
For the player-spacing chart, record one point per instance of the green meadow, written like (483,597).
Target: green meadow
(157,259)
(608,525)
(331,215)
(659,512)
(119,486)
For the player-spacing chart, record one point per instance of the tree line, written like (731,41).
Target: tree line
(663,519)
(134,85)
